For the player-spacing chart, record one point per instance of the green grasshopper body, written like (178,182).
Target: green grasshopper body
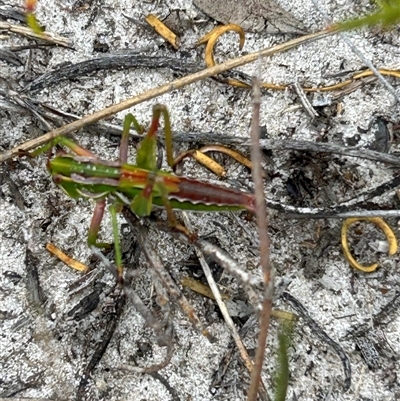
(140,186)
(83,177)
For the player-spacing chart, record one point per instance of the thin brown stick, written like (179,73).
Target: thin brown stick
(262,224)
(155,92)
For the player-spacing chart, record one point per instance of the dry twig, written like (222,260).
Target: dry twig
(262,224)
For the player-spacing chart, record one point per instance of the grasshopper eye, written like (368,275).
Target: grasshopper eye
(57,179)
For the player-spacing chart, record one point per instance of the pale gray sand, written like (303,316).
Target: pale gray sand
(52,351)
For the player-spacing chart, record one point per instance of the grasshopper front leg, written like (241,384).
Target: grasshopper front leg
(68,143)
(94,228)
(146,159)
(99,209)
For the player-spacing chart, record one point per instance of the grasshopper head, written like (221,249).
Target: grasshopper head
(67,185)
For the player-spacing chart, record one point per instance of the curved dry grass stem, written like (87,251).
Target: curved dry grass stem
(387,230)
(155,92)
(211,39)
(357,76)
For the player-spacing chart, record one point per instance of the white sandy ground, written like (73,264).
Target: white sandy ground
(53,348)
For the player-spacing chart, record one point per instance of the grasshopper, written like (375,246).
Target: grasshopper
(140,187)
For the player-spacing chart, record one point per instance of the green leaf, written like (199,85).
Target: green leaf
(282,373)
(33,23)
(387,15)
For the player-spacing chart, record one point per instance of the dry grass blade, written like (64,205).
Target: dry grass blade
(155,92)
(322,335)
(45,36)
(74,264)
(200,288)
(230,152)
(110,324)
(203,159)
(211,39)
(164,338)
(163,30)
